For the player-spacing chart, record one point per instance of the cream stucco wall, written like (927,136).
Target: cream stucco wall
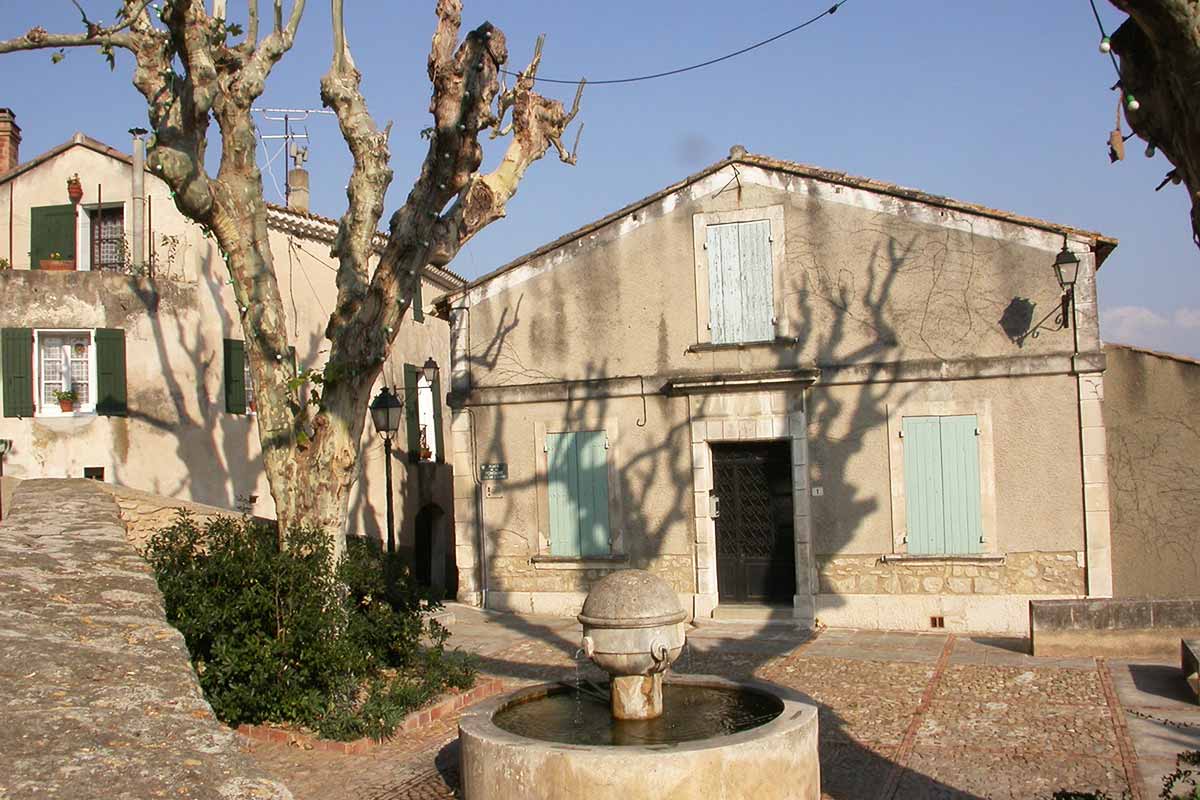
(904,307)
(178,440)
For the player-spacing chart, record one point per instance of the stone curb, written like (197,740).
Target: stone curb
(446,705)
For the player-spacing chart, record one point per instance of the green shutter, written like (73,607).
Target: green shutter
(592,447)
(16,363)
(923,485)
(577,489)
(51,230)
(418,309)
(439,442)
(235,376)
(562,475)
(960,484)
(941,485)
(110,372)
(411,412)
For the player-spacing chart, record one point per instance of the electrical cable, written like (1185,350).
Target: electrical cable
(1104,37)
(827,12)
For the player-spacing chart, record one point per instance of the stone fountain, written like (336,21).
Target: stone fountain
(653,735)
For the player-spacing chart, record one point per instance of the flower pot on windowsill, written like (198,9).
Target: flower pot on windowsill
(57,264)
(66,405)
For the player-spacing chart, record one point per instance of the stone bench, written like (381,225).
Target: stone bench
(1190,661)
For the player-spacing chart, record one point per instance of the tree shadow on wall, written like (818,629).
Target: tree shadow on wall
(652,478)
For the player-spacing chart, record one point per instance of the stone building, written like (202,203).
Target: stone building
(782,387)
(1153,471)
(140,322)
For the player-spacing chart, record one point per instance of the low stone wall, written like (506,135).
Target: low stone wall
(145,514)
(1123,628)
(1010,574)
(99,697)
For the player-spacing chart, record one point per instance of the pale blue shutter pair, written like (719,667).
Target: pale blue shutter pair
(740,285)
(577,473)
(941,485)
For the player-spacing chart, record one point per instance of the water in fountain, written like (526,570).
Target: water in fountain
(580,716)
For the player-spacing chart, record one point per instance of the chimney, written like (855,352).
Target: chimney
(138,200)
(10,141)
(297,198)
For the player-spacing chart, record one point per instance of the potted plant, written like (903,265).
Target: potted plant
(56,263)
(74,188)
(66,399)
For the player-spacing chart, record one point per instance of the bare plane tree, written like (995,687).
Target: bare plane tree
(311,450)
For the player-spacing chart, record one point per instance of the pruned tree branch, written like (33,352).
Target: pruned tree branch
(1159,50)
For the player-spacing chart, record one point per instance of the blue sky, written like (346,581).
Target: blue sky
(1006,104)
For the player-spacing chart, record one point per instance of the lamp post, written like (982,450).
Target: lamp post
(386,410)
(5,446)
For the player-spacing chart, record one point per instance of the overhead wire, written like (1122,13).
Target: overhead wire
(1103,36)
(827,12)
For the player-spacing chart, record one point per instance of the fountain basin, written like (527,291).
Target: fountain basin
(772,761)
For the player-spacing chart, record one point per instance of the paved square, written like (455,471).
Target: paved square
(903,715)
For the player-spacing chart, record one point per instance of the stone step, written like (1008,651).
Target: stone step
(760,613)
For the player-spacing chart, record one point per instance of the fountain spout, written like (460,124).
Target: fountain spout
(633,629)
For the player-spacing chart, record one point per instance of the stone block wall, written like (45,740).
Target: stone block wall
(144,514)
(1013,573)
(1107,627)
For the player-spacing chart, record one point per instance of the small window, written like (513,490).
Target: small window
(66,371)
(740,282)
(107,232)
(428,442)
(577,474)
(93,473)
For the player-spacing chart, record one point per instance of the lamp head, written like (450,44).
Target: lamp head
(430,370)
(1066,267)
(386,411)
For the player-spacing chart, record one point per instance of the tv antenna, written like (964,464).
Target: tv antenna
(289,137)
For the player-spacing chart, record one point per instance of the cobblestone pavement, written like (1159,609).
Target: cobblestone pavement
(902,715)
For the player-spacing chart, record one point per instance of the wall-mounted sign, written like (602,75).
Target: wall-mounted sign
(493,472)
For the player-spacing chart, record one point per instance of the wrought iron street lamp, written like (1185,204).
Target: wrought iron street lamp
(386,411)
(430,369)
(1066,267)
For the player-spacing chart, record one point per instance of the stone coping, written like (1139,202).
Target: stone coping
(1121,628)
(99,695)
(444,706)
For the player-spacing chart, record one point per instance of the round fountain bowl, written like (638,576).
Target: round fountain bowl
(773,760)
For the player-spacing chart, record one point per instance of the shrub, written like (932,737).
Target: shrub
(288,636)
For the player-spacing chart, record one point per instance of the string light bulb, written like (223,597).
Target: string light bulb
(1131,103)
(1150,150)
(1105,45)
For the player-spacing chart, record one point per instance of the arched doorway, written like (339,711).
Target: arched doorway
(433,553)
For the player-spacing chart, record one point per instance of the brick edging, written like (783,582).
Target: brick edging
(444,706)
(904,751)
(1129,760)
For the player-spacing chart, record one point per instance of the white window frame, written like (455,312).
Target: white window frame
(700,222)
(44,409)
(83,231)
(425,418)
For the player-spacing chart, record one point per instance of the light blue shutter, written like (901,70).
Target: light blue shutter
(960,484)
(562,468)
(923,485)
(593,492)
(757,291)
(724,297)
(577,474)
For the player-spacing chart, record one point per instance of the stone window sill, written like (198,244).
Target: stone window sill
(778,341)
(571,562)
(973,558)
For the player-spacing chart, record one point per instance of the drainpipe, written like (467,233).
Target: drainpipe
(137,228)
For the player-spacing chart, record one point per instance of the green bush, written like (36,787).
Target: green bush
(288,636)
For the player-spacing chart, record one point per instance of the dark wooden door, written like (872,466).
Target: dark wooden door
(756,558)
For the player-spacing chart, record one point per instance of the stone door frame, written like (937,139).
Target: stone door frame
(762,416)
